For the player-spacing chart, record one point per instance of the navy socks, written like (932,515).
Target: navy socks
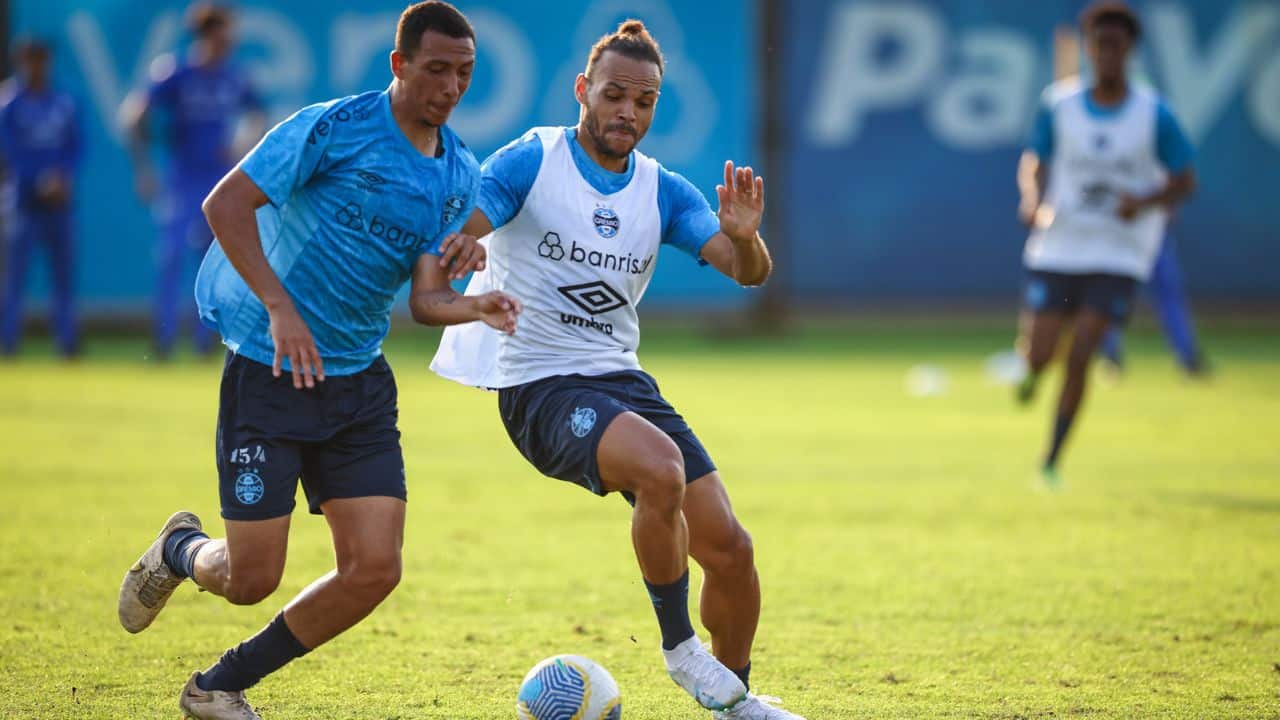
(244,665)
(671,604)
(1061,427)
(744,675)
(180,550)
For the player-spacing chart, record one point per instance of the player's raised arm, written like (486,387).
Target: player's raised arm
(738,250)
(433,302)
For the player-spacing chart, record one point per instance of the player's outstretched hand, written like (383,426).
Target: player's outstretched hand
(499,310)
(1128,207)
(741,202)
(464,252)
(292,339)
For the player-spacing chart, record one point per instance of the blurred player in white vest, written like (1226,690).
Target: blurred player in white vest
(574,219)
(1105,163)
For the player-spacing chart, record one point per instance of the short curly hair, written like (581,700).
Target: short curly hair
(203,18)
(1108,12)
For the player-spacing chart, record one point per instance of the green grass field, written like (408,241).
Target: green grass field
(911,569)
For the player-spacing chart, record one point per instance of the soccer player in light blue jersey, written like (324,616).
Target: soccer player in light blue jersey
(1105,164)
(575,218)
(317,229)
(201,99)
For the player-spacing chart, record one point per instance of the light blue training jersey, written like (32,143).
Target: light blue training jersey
(353,205)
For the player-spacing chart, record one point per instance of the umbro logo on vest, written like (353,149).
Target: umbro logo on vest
(594,297)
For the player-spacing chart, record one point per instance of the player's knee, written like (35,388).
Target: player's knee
(372,577)
(661,482)
(251,588)
(732,555)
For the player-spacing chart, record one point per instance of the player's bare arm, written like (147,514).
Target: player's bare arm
(1176,190)
(478,224)
(433,302)
(230,210)
(737,250)
(1031,180)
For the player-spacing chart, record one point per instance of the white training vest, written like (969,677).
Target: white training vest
(1095,160)
(579,261)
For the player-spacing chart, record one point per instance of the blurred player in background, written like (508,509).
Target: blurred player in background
(40,141)
(1170,300)
(1165,284)
(365,193)
(1105,163)
(210,117)
(575,218)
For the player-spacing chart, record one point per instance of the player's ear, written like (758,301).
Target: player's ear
(397,63)
(580,89)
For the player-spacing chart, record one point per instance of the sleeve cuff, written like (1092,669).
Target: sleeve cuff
(255,175)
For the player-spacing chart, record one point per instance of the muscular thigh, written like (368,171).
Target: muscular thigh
(628,449)
(366,530)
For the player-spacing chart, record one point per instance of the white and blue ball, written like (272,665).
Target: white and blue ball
(568,687)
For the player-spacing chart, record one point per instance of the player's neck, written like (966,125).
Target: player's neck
(1111,91)
(204,57)
(608,162)
(425,138)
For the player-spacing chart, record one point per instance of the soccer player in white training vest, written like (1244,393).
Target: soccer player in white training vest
(1114,161)
(574,218)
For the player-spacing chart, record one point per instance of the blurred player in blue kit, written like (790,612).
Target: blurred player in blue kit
(41,145)
(1105,163)
(201,100)
(1169,299)
(574,219)
(317,230)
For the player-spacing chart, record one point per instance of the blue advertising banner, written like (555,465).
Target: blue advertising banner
(303,51)
(903,123)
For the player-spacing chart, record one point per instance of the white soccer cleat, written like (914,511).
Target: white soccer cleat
(713,685)
(756,707)
(149,583)
(214,704)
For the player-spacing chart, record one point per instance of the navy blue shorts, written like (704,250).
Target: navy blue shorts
(1066,293)
(340,438)
(557,423)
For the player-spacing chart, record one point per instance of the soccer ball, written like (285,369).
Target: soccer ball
(568,687)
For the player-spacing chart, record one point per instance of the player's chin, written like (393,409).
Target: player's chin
(437,115)
(621,145)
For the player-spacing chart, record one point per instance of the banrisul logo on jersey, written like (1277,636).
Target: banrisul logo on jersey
(552,248)
(352,216)
(606,222)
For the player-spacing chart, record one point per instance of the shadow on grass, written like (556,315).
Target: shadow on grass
(1223,501)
